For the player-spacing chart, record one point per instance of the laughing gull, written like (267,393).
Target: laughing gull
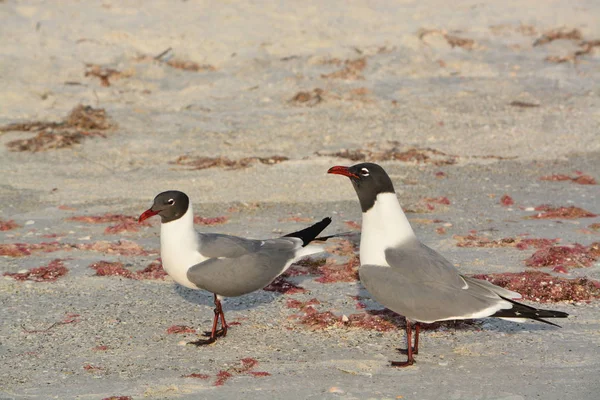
(227,266)
(413,280)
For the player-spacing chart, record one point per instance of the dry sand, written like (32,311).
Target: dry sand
(292,79)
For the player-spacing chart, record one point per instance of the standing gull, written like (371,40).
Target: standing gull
(413,280)
(225,265)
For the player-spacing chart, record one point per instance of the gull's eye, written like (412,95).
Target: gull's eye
(170,202)
(364,172)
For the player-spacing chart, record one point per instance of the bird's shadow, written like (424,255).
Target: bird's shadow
(485,324)
(261,297)
(511,327)
(245,302)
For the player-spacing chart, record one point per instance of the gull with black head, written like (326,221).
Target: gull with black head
(410,278)
(225,265)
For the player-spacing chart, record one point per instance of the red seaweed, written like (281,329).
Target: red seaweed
(333,272)
(473,240)
(178,329)
(560,270)
(153,271)
(122,247)
(543,287)
(222,377)
(293,303)
(376,320)
(92,368)
(54,235)
(318,320)
(305,266)
(50,273)
(104,219)
(506,200)
(584,180)
(580,179)
(571,212)
(106,268)
(353,225)
(259,374)
(381,320)
(524,244)
(121,227)
(575,256)
(296,218)
(343,248)
(26,249)
(196,163)
(429,204)
(210,221)
(8,225)
(124,223)
(329,271)
(437,200)
(247,366)
(555,178)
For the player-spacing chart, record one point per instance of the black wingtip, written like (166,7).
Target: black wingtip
(521,310)
(546,322)
(335,235)
(309,234)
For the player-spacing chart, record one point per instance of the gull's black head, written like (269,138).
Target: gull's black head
(368,180)
(170,205)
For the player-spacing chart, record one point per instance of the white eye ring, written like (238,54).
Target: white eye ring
(364,172)
(171,201)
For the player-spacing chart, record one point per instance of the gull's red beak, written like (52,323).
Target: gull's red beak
(147,214)
(340,170)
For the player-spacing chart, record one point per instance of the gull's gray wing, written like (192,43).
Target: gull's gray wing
(215,245)
(423,286)
(500,291)
(248,266)
(419,263)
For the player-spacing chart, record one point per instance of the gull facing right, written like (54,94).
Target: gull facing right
(410,278)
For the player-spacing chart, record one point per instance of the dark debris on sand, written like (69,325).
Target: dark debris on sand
(81,123)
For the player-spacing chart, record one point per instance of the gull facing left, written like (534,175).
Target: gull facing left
(225,265)
(412,279)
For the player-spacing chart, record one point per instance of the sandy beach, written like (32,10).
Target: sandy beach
(485,114)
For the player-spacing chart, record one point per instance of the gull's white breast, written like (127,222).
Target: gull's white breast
(179,248)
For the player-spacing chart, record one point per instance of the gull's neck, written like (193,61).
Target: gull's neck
(383,226)
(179,244)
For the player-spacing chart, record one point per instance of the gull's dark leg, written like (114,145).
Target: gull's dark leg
(218,311)
(223,330)
(214,333)
(415,349)
(409,348)
(417,330)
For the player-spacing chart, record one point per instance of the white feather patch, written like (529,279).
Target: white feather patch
(179,248)
(383,226)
